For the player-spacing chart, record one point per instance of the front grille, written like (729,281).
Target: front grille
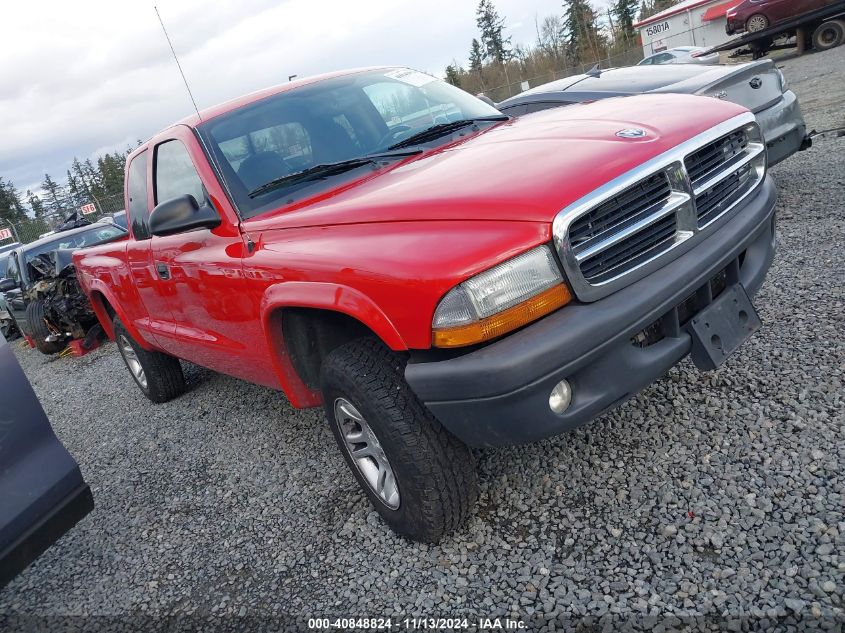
(619,212)
(710,158)
(709,204)
(609,240)
(643,245)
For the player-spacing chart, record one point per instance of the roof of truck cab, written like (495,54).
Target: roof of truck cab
(223,108)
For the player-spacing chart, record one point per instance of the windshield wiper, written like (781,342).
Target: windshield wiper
(441,129)
(324,170)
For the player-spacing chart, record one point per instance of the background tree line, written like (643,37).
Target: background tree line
(98,182)
(578,36)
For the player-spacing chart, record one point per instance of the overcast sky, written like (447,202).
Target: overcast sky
(82,78)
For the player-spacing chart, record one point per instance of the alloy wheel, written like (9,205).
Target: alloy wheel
(132,361)
(757,23)
(367,453)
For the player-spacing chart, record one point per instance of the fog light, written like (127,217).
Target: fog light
(561,397)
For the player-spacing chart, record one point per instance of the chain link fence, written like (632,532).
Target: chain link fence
(31,229)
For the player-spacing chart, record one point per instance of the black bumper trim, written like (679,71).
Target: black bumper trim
(498,395)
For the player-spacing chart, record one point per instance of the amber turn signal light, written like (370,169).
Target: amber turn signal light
(503,322)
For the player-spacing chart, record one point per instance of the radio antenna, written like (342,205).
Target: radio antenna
(178,65)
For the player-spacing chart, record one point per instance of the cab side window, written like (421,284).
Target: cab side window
(175,174)
(138,210)
(12,271)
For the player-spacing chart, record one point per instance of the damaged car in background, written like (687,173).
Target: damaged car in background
(759,86)
(42,295)
(8,327)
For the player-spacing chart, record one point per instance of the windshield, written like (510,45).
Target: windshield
(4,264)
(327,122)
(95,234)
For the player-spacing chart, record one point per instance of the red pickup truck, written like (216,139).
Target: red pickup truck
(433,273)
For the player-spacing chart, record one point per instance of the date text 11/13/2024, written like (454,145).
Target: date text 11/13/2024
(415,624)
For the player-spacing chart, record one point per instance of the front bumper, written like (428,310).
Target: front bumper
(498,395)
(783,128)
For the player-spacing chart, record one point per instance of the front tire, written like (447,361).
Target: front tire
(40,331)
(158,376)
(756,23)
(418,476)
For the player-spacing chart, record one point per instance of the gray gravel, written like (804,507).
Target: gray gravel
(709,500)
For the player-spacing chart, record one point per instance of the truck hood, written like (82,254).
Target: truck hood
(526,169)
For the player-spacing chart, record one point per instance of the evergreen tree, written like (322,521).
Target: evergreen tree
(453,74)
(495,45)
(54,194)
(11,209)
(625,12)
(583,40)
(476,57)
(35,204)
(75,190)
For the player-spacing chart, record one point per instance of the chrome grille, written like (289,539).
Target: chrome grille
(636,223)
(645,244)
(710,157)
(619,211)
(708,205)
(718,172)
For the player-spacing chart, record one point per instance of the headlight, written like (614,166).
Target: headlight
(757,142)
(507,296)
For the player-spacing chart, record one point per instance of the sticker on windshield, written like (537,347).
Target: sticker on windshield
(411,77)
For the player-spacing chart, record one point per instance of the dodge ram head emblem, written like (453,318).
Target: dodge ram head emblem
(631,132)
(755,83)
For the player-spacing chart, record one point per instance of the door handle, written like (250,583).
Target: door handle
(163,271)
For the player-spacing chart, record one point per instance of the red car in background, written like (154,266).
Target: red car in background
(757,15)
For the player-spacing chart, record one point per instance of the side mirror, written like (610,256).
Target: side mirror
(8,284)
(182,214)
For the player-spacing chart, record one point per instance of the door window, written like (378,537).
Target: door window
(12,271)
(663,58)
(175,174)
(138,210)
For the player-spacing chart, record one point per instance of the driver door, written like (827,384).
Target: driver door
(199,273)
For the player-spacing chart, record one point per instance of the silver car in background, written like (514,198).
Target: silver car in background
(681,55)
(759,86)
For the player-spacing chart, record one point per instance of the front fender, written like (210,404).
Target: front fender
(335,297)
(321,296)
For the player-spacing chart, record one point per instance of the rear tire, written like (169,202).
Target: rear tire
(433,471)
(158,375)
(829,35)
(756,23)
(40,331)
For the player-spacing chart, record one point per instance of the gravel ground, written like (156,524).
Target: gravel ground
(710,500)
